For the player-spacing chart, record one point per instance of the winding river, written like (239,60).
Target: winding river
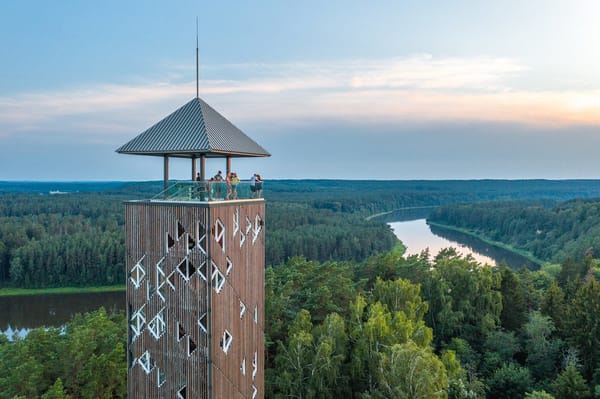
(418,236)
(19,314)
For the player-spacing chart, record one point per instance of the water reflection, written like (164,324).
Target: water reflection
(499,255)
(19,314)
(418,236)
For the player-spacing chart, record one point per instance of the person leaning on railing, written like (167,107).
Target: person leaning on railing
(258,185)
(255,186)
(234,181)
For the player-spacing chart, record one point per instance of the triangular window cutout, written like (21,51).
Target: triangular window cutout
(248,225)
(202,322)
(191,269)
(180,331)
(226,341)
(202,270)
(161,378)
(182,393)
(191,242)
(218,279)
(180,230)
(191,346)
(170,241)
(229,266)
(186,268)
(171,280)
(219,232)
(202,238)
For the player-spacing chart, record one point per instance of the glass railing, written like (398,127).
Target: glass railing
(208,191)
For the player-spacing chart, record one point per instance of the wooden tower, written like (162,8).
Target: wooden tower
(195,265)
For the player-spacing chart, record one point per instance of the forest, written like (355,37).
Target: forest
(384,327)
(358,321)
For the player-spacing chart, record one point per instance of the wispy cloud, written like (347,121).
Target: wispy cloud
(419,88)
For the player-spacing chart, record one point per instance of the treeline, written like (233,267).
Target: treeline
(386,327)
(551,231)
(373,196)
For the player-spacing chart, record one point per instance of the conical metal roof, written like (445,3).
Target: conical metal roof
(192,130)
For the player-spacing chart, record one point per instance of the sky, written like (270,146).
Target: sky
(338,89)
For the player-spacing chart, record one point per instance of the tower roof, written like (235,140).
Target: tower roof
(192,130)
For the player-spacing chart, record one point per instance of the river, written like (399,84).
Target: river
(418,236)
(19,314)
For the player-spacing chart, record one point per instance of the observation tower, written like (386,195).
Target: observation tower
(195,267)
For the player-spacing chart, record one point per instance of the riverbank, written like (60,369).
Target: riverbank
(408,208)
(59,290)
(525,254)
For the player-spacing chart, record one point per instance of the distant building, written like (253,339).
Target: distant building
(195,264)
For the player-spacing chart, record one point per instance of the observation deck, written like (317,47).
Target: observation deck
(208,191)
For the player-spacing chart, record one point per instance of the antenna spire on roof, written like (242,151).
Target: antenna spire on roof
(197,66)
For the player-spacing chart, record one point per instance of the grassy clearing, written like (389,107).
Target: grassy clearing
(60,290)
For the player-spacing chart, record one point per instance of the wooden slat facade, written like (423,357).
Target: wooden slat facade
(189,242)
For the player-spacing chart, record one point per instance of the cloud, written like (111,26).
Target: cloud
(394,90)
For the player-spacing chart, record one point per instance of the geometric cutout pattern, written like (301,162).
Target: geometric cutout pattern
(171,280)
(149,289)
(236,222)
(248,225)
(229,266)
(161,377)
(138,321)
(220,234)
(191,346)
(137,273)
(202,238)
(157,325)
(202,322)
(145,362)
(218,279)
(180,331)
(186,269)
(160,280)
(202,270)
(258,224)
(242,309)
(226,341)
(180,230)
(243,367)
(170,242)
(254,365)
